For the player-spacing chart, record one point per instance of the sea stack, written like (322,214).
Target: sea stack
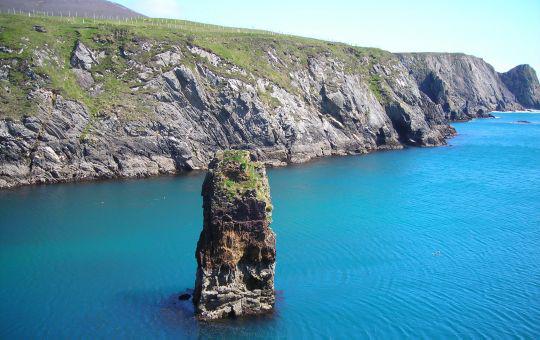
(236,251)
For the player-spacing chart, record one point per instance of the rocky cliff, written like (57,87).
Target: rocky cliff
(101,100)
(236,251)
(523,83)
(464,86)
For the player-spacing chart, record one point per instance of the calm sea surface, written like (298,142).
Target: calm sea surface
(422,243)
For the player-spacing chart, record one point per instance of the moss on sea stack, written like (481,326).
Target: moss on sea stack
(236,174)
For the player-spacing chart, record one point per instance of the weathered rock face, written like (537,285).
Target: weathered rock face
(180,103)
(83,57)
(236,251)
(464,86)
(523,83)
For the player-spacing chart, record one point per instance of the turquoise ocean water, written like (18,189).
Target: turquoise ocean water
(421,243)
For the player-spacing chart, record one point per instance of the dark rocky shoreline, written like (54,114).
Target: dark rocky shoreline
(201,170)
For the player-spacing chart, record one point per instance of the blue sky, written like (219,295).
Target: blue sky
(504,33)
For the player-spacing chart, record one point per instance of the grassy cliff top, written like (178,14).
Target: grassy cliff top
(47,55)
(236,174)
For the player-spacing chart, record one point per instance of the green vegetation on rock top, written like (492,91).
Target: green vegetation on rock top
(237,174)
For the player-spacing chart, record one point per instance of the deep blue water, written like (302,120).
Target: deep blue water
(423,243)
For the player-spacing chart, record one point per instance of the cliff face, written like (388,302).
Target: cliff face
(236,251)
(103,101)
(464,86)
(523,83)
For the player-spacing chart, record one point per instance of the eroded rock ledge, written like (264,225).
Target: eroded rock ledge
(236,251)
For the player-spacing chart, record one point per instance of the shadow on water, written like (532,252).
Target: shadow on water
(177,315)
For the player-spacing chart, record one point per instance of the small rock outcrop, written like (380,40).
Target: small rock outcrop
(83,57)
(39,28)
(236,251)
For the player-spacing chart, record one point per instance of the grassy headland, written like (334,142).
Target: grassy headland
(31,55)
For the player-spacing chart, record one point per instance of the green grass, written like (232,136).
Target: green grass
(238,174)
(266,96)
(14,102)
(241,47)
(376,87)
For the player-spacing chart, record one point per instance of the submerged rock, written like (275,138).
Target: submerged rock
(236,251)
(184,297)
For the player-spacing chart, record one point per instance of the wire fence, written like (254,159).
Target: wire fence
(85,18)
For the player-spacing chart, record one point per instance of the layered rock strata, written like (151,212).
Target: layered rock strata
(463,86)
(523,82)
(127,105)
(236,251)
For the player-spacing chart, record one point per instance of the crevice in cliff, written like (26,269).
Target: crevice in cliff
(401,121)
(332,104)
(433,87)
(380,137)
(117,162)
(35,146)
